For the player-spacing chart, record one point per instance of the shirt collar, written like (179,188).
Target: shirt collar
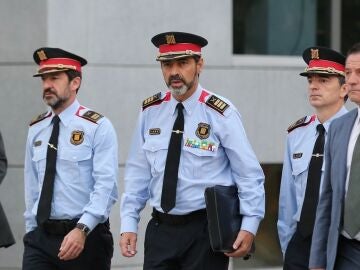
(67,114)
(327,123)
(189,103)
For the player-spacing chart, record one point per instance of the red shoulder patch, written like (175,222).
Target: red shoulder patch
(39,118)
(155,100)
(301,123)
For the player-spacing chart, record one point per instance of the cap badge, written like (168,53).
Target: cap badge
(42,56)
(315,54)
(77,137)
(203,131)
(170,39)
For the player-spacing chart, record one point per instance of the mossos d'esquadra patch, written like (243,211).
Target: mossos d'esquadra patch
(77,137)
(203,131)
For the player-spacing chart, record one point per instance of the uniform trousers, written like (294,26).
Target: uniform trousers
(348,254)
(297,253)
(173,245)
(42,248)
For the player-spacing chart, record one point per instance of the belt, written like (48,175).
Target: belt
(178,219)
(64,226)
(352,241)
(59,226)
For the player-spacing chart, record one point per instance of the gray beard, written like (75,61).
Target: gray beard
(179,91)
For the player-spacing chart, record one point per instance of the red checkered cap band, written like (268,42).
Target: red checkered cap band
(60,63)
(179,47)
(313,64)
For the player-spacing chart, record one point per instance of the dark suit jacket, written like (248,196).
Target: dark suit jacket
(6,237)
(328,223)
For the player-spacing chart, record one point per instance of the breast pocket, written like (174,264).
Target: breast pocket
(75,162)
(198,163)
(299,169)
(156,152)
(39,159)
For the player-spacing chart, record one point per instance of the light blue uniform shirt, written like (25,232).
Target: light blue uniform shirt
(225,157)
(298,151)
(86,168)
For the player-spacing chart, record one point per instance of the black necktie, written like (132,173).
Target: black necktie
(307,218)
(44,207)
(168,195)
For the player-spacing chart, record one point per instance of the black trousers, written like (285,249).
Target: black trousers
(42,248)
(348,254)
(183,246)
(297,253)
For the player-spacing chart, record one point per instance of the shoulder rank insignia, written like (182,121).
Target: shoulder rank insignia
(300,123)
(217,104)
(92,116)
(155,99)
(39,118)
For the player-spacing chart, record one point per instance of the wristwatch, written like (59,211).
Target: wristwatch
(85,229)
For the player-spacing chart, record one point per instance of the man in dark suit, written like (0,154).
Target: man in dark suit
(6,237)
(336,238)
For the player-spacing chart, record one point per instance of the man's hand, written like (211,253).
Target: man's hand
(72,245)
(127,244)
(242,244)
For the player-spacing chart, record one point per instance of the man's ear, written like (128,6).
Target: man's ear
(344,90)
(200,65)
(75,83)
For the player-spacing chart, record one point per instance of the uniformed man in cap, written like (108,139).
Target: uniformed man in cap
(304,154)
(71,169)
(187,138)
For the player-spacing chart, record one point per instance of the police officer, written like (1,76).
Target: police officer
(71,169)
(303,159)
(187,139)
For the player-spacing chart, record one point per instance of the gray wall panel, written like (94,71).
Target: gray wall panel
(22,27)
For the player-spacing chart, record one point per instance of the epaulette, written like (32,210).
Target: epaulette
(92,116)
(300,123)
(217,104)
(39,118)
(153,100)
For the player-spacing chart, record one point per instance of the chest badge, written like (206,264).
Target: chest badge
(37,143)
(154,131)
(297,155)
(203,131)
(77,137)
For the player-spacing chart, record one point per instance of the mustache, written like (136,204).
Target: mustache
(49,90)
(175,78)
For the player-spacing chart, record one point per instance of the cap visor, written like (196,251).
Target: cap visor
(50,71)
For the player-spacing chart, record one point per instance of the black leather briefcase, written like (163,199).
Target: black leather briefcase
(224,219)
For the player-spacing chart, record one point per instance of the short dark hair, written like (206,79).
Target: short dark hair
(72,74)
(341,80)
(354,49)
